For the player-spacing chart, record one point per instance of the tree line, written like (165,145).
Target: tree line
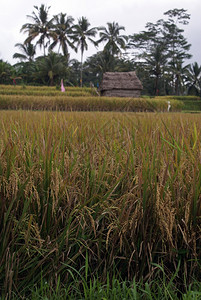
(158,54)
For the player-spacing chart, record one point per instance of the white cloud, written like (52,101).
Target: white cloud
(132,14)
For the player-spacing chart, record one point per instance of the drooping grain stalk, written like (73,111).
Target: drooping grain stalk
(123,188)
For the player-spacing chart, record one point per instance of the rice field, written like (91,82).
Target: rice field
(120,191)
(78,99)
(100,199)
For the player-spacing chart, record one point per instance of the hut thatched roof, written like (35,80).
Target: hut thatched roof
(120,80)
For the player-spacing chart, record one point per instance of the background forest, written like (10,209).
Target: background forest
(159,54)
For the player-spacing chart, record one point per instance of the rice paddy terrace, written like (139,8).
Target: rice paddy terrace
(89,195)
(80,99)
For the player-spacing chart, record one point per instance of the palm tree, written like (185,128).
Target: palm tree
(156,62)
(178,73)
(50,67)
(194,79)
(63,29)
(82,33)
(28,51)
(111,35)
(41,27)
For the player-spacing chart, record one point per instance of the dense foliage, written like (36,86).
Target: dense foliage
(158,54)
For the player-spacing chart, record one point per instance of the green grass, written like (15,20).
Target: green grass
(95,290)
(81,287)
(192,106)
(191,103)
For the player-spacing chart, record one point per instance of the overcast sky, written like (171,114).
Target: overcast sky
(132,14)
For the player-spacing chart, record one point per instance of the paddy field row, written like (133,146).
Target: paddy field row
(87,195)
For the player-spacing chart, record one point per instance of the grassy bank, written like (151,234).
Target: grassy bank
(83,103)
(90,195)
(87,99)
(44,91)
(190,103)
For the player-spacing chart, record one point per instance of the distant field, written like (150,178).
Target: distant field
(77,99)
(88,195)
(44,91)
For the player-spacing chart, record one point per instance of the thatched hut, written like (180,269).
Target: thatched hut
(120,84)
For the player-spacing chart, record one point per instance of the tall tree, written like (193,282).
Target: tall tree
(177,44)
(28,51)
(63,25)
(151,55)
(164,35)
(115,42)
(82,33)
(156,62)
(180,72)
(40,27)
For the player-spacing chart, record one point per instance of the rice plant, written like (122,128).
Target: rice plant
(80,102)
(101,193)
